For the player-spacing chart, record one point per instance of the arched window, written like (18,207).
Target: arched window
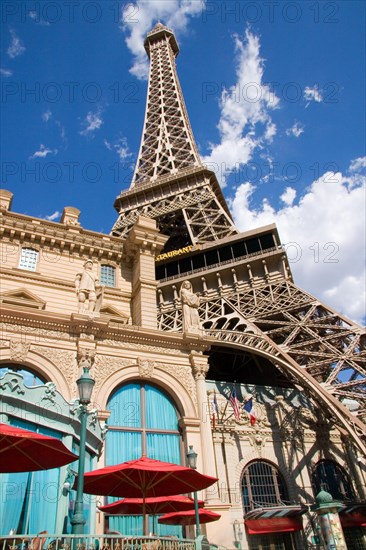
(143,421)
(330,477)
(262,485)
(31,377)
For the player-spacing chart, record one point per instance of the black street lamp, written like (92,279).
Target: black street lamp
(85,387)
(192,463)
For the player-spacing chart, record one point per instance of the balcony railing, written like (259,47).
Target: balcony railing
(46,541)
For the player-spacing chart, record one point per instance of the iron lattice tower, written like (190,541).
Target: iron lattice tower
(249,301)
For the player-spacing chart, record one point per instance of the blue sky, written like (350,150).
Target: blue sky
(275,94)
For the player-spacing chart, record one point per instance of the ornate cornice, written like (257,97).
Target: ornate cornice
(59,238)
(41,324)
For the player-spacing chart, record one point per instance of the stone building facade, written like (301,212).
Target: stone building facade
(254,387)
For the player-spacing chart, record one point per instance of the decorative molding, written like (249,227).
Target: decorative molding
(74,241)
(143,347)
(49,392)
(19,350)
(183,375)
(146,367)
(199,365)
(258,441)
(63,360)
(13,385)
(105,365)
(86,358)
(36,332)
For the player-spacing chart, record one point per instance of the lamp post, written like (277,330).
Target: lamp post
(238,533)
(192,463)
(85,387)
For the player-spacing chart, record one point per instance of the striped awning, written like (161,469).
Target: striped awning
(274,519)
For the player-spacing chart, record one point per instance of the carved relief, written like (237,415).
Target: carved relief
(105,365)
(183,375)
(4,343)
(63,360)
(146,367)
(19,350)
(199,366)
(258,441)
(36,333)
(86,358)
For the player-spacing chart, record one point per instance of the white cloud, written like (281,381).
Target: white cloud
(53,216)
(357,164)
(36,17)
(288,196)
(324,235)
(16,47)
(139,17)
(121,148)
(92,122)
(62,131)
(46,115)
(6,72)
(312,94)
(245,123)
(296,130)
(43,152)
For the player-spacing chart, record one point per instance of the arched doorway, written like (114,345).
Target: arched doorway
(264,488)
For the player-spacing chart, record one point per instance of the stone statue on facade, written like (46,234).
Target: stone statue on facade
(87,287)
(190,304)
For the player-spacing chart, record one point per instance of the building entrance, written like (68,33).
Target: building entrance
(278,541)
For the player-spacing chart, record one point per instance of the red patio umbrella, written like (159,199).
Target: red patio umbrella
(144,478)
(189,517)
(26,451)
(153,505)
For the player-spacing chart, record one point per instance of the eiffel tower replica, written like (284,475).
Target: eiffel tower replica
(249,304)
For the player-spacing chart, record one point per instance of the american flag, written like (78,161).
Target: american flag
(235,404)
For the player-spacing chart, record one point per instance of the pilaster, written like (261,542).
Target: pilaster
(143,243)
(200,368)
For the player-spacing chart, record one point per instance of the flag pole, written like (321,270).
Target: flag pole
(227,401)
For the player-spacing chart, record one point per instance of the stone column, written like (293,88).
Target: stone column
(143,243)
(200,368)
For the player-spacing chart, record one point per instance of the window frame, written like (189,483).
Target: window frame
(340,475)
(110,267)
(27,266)
(279,487)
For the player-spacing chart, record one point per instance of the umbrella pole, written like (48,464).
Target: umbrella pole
(30,490)
(145,525)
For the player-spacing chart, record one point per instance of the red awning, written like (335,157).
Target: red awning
(274,519)
(273,525)
(353,514)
